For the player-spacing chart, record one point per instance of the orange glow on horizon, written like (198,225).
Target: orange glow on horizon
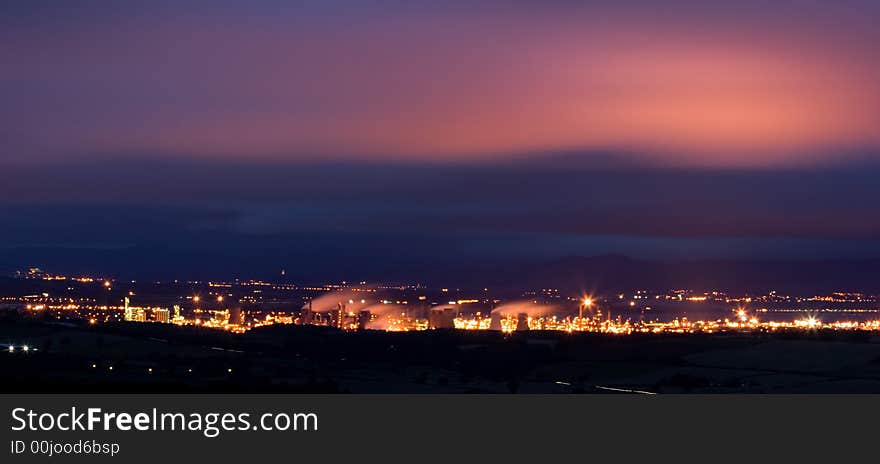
(694,87)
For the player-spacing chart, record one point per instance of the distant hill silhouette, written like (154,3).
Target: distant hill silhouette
(605,273)
(618,272)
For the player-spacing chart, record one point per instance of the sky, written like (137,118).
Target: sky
(336,136)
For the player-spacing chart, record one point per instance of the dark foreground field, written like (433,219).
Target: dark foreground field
(137,358)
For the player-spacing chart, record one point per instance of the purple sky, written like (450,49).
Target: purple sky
(694,83)
(438,129)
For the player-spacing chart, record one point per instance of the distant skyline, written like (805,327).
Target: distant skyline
(240,137)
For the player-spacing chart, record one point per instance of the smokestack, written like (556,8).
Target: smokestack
(363,319)
(495,321)
(441,318)
(340,315)
(305,316)
(522,322)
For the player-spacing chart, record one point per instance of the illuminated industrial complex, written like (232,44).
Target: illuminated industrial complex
(241,306)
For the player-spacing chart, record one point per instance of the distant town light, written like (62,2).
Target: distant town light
(588,301)
(26,348)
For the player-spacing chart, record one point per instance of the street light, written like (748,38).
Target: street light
(107,295)
(588,302)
